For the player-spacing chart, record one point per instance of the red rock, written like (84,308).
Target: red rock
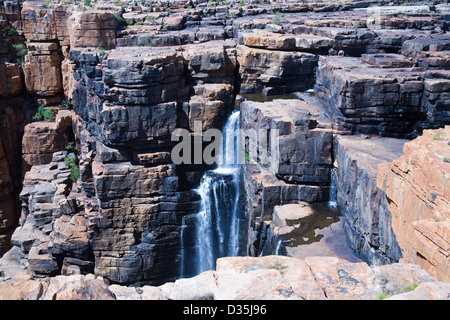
(416,186)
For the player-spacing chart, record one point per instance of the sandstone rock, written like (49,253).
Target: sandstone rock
(175,22)
(200,287)
(426,291)
(255,284)
(434,102)
(302,128)
(41,139)
(11,80)
(69,236)
(416,187)
(39,24)
(43,74)
(21,289)
(269,277)
(84,289)
(153,293)
(92,28)
(261,68)
(124,293)
(341,280)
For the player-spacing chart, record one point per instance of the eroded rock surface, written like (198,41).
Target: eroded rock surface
(244,278)
(416,186)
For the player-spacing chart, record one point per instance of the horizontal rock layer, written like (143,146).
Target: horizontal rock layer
(244,278)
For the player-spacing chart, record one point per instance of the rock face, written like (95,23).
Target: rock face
(41,139)
(282,71)
(367,219)
(370,100)
(129,103)
(416,187)
(248,278)
(298,169)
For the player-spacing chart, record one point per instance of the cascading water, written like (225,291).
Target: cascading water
(215,228)
(332,203)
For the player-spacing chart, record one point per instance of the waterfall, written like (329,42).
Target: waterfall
(332,203)
(278,247)
(216,225)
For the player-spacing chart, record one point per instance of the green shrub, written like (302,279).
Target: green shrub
(20,51)
(277,19)
(119,19)
(44,113)
(10,31)
(71,146)
(101,50)
(71,162)
(411,287)
(382,296)
(74,174)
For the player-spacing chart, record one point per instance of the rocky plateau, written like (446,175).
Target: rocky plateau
(350,201)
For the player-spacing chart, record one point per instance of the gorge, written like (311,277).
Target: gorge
(343,191)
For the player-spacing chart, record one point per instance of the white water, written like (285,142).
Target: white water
(332,203)
(278,247)
(217,223)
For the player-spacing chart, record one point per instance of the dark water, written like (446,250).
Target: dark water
(305,232)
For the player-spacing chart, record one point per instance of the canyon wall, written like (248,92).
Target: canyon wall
(134,76)
(416,187)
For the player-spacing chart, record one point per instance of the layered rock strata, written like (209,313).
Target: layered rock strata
(298,169)
(365,211)
(417,190)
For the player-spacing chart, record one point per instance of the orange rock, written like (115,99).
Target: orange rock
(43,73)
(10,79)
(92,28)
(417,186)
